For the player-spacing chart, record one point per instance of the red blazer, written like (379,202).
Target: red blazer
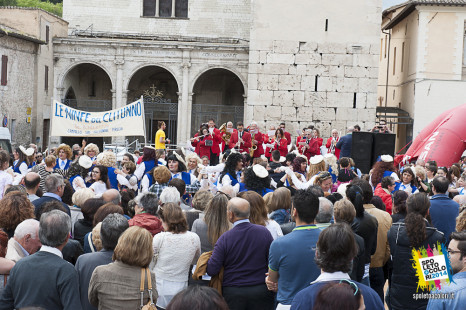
(320,141)
(288,137)
(260,149)
(312,150)
(281,146)
(201,148)
(216,147)
(267,139)
(223,141)
(299,139)
(244,147)
(329,144)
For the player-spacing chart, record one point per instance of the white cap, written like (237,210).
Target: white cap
(386,158)
(260,171)
(27,152)
(85,161)
(314,160)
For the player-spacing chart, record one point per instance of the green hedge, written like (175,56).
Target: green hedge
(45,5)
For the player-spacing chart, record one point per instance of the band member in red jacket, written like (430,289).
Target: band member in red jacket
(280,142)
(204,141)
(269,139)
(225,140)
(331,142)
(310,146)
(256,140)
(286,134)
(240,139)
(216,147)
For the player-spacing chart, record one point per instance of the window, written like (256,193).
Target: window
(165,8)
(47,34)
(4,70)
(92,88)
(46,78)
(394,60)
(402,55)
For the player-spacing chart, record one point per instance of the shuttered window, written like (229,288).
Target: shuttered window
(46,78)
(4,70)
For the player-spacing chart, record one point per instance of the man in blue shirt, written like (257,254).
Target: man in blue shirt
(345,143)
(456,291)
(335,251)
(443,210)
(291,258)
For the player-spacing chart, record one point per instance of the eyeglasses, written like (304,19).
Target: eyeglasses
(452,252)
(96,172)
(352,284)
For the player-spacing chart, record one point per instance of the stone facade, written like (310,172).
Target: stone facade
(36,23)
(14,100)
(326,76)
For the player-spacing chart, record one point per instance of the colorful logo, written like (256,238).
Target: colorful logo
(432,267)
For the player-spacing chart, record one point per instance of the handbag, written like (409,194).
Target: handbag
(150,305)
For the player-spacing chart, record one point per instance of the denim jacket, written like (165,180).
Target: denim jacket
(458,288)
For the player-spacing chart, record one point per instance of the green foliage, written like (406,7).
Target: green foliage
(56,9)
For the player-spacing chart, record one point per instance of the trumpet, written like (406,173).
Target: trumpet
(227,135)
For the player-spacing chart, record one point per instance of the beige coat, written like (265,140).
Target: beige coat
(14,251)
(116,286)
(384,220)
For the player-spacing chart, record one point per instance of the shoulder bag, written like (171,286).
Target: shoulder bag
(150,305)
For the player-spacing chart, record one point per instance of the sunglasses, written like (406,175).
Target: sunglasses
(352,284)
(222,193)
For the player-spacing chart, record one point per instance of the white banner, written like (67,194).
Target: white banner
(125,121)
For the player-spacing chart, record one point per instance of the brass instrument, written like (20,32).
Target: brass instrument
(226,135)
(253,146)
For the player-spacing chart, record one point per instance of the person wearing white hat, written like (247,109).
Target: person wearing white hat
(149,161)
(20,164)
(78,171)
(177,167)
(381,169)
(257,179)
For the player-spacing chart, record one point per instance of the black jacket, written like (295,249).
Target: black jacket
(366,227)
(403,279)
(357,271)
(81,228)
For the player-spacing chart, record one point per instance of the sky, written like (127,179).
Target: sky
(389,3)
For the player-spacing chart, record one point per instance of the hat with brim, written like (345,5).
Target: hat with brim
(386,158)
(180,159)
(28,152)
(260,171)
(314,160)
(149,147)
(85,161)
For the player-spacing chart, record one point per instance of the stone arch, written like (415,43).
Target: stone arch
(141,66)
(62,76)
(232,70)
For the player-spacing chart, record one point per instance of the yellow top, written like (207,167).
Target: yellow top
(159,145)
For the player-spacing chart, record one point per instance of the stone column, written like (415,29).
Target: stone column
(189,114)
(184,119)
(60,91)
(119,82)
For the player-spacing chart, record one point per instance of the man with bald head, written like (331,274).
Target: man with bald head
(243,253)
(31,182)
(112,195)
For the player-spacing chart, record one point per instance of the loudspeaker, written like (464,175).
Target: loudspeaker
(384,143)
(361,150)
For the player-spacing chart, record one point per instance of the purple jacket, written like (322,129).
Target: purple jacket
(244,252)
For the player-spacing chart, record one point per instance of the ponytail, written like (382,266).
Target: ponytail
(417,206)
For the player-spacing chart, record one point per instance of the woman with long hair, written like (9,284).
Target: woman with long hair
(399,205)
(280,205)
(280,143)
(381,169)
(404,236)
(233,166)
(20,163)
(100,182)
(258,213)
(299,165)
(15,207)
(176,249)
(149,161)
(365,225)
(117,285)
(214,223)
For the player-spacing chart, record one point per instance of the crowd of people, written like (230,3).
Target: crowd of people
(245,221)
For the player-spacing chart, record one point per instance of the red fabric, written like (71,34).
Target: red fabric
(443,140)
(260,149)
(312,150)
(320,141)
(201,148)
(218,136)
(329,143)
(288,137)
(386,198)
(281,146)
(148,221)
(139,160)
(223,141)
(268,140)
(300,139)
(244,147)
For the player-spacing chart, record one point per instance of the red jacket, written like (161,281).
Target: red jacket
(320,141)
(244,147)
(268,140)
(386,197)
(281,146)
(217,135)
(228,141)
(260,149)
(299,139)
(288,137)
(201,148)
(329,144)
(312,150)
(148,221)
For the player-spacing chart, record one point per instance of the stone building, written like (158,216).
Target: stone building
(28,48)
(422,64)
(228,60)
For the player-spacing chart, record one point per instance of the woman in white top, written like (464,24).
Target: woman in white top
(100,183)
(6,178)
(258,214)
(175,250)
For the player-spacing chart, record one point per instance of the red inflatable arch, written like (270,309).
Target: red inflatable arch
(443,140)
